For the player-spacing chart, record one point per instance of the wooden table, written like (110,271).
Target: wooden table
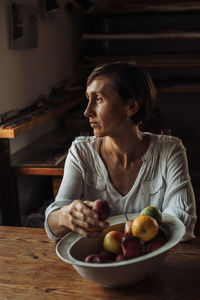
(30,269)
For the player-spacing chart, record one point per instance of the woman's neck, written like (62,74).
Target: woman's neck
(125,149)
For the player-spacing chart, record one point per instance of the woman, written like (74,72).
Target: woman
(129,168)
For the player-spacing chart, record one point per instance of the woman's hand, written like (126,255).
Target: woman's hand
(79,216)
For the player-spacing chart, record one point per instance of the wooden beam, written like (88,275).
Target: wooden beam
(143,36)
(155,61)
(142,6)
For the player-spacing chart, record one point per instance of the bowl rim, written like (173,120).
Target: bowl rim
(168,221)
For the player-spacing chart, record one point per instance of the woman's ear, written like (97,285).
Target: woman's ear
(132,107)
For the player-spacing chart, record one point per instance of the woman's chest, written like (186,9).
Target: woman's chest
(127,191)
(123,179)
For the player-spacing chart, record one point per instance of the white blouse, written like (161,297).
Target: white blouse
(163,181)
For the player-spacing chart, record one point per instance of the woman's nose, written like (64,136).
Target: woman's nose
(89,111)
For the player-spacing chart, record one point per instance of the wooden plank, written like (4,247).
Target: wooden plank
(142,6)
(142,36)
(43,171)
(12,133)
(176,60)
(57,171)
(46,153)
(180,89)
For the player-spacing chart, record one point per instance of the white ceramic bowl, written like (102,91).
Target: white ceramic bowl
(73,249)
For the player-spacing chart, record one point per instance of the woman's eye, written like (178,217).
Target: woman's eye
(99,99)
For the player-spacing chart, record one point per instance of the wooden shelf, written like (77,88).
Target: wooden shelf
(45,156)
(169,35)
(155,7)
(180,89)
(66,104)
(155,61)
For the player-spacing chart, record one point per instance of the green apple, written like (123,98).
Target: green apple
(153,212)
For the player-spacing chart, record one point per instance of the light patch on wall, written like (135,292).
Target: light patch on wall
(23,26)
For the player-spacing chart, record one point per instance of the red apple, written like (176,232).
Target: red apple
(120,257)
(102,208)
(155,244)
(107,256)
(94,258)
(162,233)
(128,227)
(112,241)
(131,246)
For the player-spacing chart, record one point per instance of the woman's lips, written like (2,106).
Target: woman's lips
(93,124)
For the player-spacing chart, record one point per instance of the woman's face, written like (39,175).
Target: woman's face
(106,111)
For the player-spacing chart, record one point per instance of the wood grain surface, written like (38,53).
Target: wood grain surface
(36,121)
(157,61)
(30,269)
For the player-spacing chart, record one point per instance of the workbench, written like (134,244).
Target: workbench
(44,157)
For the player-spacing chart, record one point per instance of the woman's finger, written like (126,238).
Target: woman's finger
(88,221)
(83,208)
(89,203)
(84,229)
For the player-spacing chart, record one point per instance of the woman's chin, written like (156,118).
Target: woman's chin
(97,133)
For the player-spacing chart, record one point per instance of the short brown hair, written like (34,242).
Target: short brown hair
(131,81)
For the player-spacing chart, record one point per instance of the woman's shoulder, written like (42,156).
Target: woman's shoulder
(164,139)
(168,139)
(86,140)
(87,143)
(166,142)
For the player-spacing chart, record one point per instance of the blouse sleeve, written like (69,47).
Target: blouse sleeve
(71,186)
(179,199)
